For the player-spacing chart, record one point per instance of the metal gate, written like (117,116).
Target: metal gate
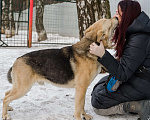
(14,21)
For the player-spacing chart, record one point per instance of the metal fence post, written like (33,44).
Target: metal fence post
(30,23)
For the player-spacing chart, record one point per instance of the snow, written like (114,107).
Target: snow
(45,102)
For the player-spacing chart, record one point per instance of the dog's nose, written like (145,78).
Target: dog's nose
(116,18)
(97,43)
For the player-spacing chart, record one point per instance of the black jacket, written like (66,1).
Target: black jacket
(136,52)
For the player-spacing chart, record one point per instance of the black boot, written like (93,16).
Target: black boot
(140,107)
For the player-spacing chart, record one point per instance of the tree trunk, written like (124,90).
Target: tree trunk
(39,17)
(5,16)
(89,11)
(39,20)
(106,9)
(10,31)
(8,24)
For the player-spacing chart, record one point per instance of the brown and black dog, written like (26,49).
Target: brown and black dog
(71,66)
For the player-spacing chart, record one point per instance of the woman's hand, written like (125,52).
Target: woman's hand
(97,50)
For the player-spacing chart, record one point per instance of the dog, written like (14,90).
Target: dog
(71,66)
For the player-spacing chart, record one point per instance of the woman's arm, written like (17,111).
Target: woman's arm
(133,56)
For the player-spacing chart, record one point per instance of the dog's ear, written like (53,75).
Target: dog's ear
(100,35)
(90,33)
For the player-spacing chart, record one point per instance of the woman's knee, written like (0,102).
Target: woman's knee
(98,99)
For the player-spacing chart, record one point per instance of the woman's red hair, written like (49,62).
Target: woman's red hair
(130,11)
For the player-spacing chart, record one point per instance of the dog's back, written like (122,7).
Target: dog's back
(52,64)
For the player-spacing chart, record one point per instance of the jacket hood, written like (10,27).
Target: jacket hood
(140,24)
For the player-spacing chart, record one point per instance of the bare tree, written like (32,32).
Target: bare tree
(39,17)
(89,11)
(39,20)
(8,24)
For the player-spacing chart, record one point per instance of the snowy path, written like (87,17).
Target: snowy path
(45,102)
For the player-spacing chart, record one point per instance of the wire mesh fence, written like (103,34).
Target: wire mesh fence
(60,22)
(14,22)
(54,22)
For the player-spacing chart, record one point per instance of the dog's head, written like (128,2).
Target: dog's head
(102,30)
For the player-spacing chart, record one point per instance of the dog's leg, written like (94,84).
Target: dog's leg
(85,116)
(23,79)
(9,108)
(7,92)
(79,103)
(15,93)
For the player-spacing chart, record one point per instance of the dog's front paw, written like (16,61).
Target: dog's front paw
(6,117)
(9,108)
(87,117)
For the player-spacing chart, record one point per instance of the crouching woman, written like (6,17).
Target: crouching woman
(131,67)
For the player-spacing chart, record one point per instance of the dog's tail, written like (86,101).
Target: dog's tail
(9,75)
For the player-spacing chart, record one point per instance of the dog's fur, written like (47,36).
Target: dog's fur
(71,66)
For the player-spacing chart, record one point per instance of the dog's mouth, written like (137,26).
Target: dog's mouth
(115,26)
(111,35)
(113,31)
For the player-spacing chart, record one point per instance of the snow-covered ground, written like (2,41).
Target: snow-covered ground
(45,102)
